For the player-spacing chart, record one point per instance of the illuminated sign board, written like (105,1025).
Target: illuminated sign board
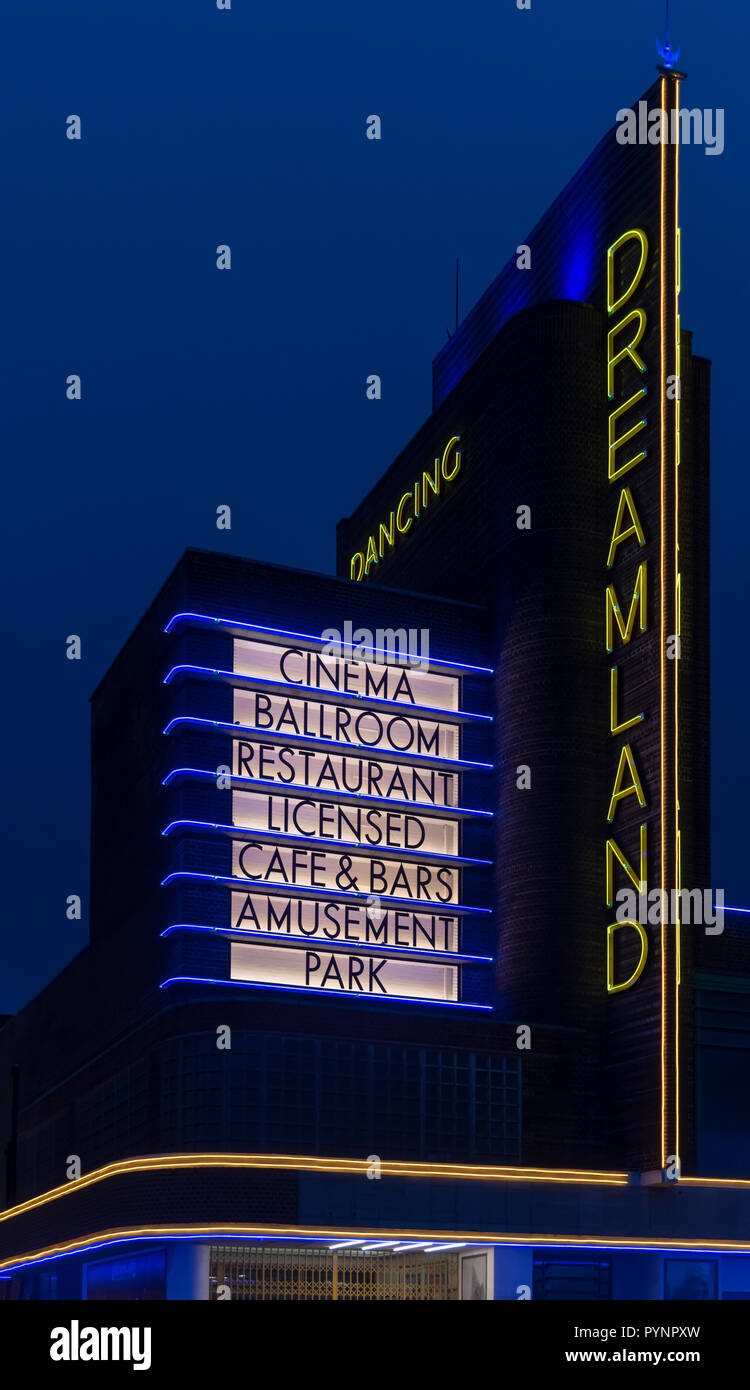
(375,827)
(345,973)
(623,620)
(299,918)
(347,675)
(642,622)
(320,868)
(362,727)
(360,759)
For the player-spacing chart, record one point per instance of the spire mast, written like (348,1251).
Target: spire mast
(668,54)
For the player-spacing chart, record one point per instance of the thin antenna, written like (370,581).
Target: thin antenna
(668,55)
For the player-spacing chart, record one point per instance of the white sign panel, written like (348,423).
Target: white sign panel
(361,727)
(316,707)
(345,675)
(374,826)
(327,772)
(343,972)
(320,868)
(348,923)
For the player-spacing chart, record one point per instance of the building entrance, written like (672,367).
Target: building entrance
(309,1272)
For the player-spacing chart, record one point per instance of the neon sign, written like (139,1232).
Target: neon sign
(623,340)
(410,507)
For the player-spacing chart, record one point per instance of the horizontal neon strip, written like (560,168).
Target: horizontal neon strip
(309,637)
(328,697)
(240,832)
(449,957)
(320,794)
(293,890)
(228,1231)
(404,1168)
(329,993)
(354,750)
(733,909)
(741,1183)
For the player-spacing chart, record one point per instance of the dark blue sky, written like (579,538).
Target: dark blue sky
(200,388)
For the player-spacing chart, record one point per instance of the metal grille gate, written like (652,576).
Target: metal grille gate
(308,1272)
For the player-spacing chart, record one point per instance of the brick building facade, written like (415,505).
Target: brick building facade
(221,1085)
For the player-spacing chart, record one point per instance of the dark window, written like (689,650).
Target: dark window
(722,1074)
(565,1275)
(138,1277)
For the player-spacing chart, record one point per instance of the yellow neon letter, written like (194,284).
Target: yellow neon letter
(630,348)
(634,789)
(641,238)
(614,727)
(403,529)
(431,482)
(615,443)
(372,554)
(449,476)
(356,556)
(612,852)
(634,529)
(637,602)
(612,988)
(389,534)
